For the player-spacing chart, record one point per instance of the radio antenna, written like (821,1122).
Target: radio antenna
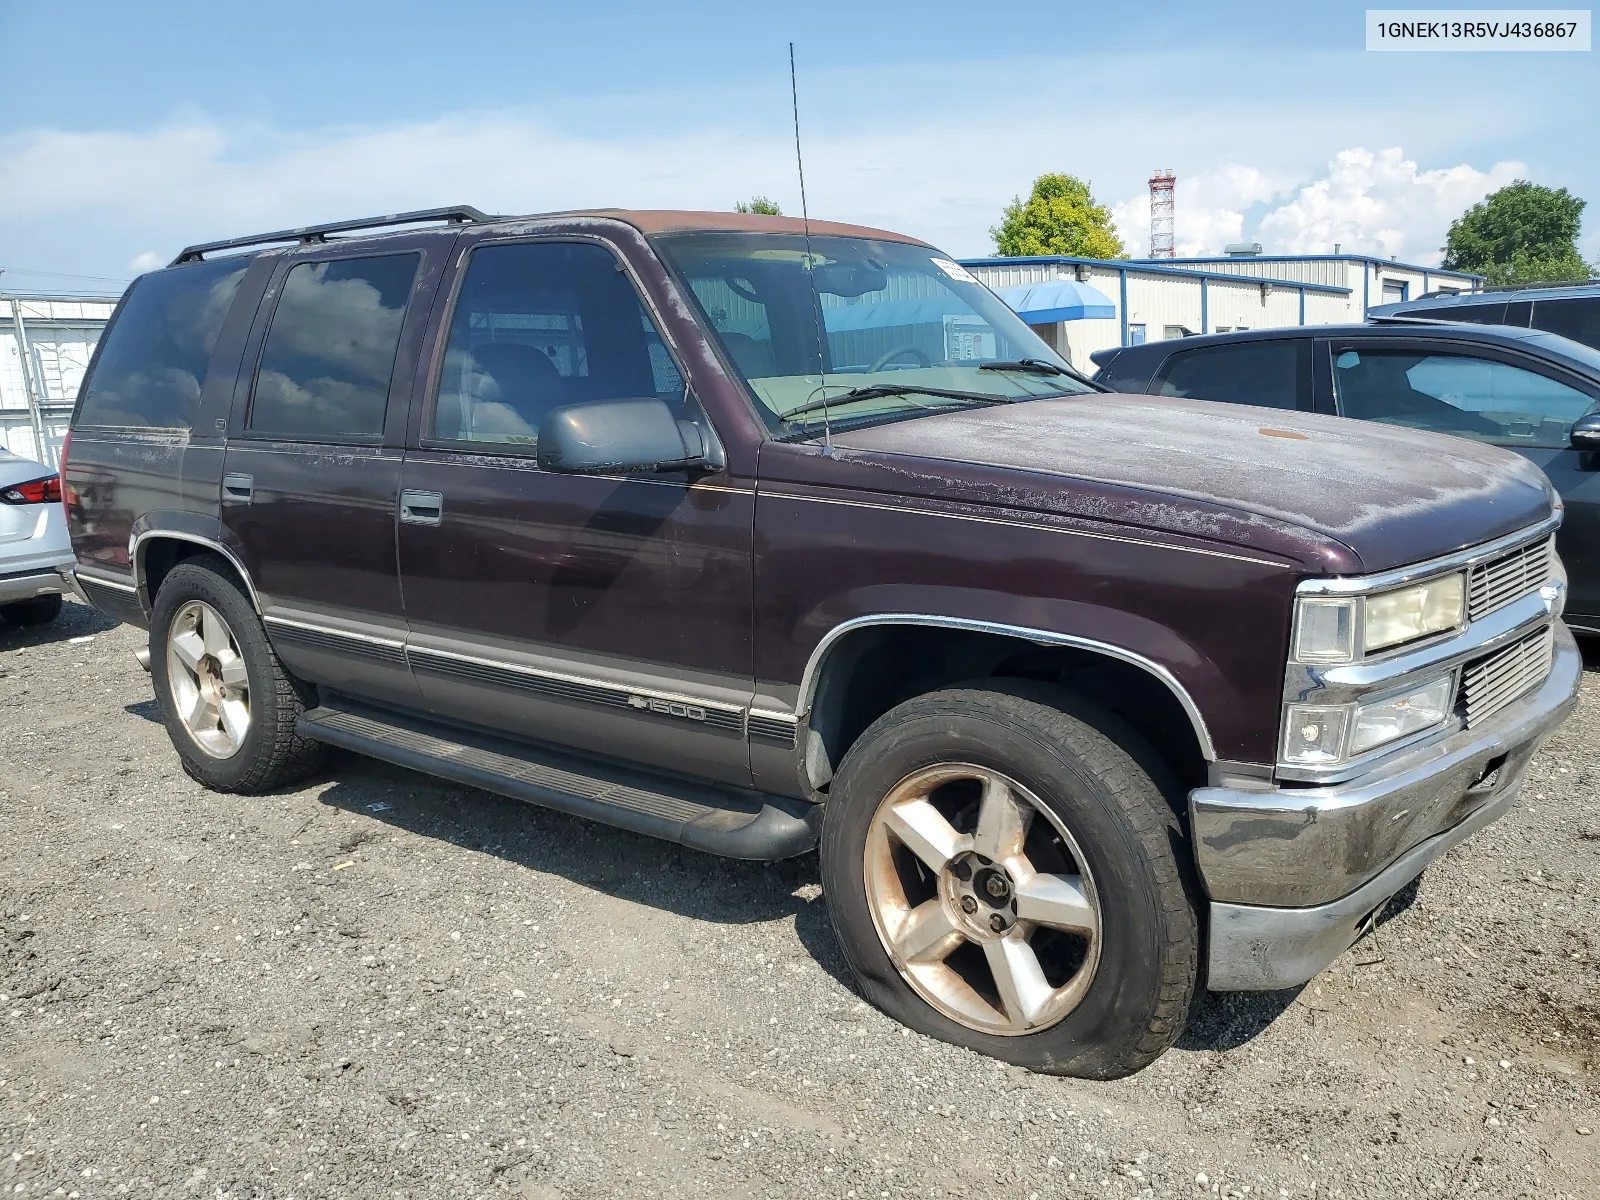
(805,225)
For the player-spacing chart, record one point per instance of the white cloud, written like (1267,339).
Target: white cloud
(149,260)
(1377,203)
(1209,211)
(1381,204)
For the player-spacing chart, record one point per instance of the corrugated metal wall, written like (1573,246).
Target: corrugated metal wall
(61,336)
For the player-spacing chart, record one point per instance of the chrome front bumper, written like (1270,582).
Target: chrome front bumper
(1293,872)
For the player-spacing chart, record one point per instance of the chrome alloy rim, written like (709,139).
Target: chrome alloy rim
(210,688)
(982,899)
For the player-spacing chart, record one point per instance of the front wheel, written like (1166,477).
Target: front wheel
(1000,870)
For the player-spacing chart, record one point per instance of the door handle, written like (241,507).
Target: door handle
(421,508)
(237,489)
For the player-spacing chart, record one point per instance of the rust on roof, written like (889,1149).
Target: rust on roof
(654,221)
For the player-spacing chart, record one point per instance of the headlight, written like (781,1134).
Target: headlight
(1414,612)
(1326,626)
(1320,735)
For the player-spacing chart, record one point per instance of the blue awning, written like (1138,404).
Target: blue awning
(1056,300)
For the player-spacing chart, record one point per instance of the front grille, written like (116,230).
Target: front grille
(1490,684)
(1510,577)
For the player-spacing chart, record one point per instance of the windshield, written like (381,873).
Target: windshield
(882,315)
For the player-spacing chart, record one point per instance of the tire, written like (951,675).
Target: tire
(263,751)
(40,610)
(1110,986)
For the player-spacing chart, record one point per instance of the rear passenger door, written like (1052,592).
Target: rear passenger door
(1267,373)
(610,614)
(311,478)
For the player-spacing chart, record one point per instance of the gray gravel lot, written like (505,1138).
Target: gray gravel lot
(378,984)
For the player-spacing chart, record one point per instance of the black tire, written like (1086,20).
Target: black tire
(1083,764)
(272,753)
(40,610)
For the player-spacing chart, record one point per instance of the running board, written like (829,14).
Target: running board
(731,822)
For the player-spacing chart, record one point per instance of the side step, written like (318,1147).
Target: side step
(727,821)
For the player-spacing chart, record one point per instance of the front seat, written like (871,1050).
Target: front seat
(515,381)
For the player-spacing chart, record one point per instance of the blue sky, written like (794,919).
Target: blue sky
(131,129)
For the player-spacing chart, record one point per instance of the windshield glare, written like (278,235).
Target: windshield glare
(880,313)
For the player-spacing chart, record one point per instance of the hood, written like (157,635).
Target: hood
(1391,495)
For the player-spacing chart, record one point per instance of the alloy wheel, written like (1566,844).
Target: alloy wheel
(206,673)
(983,899)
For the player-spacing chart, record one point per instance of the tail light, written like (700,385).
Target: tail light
(61,467)
(35,491)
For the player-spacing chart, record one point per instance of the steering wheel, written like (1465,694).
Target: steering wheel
(883,360)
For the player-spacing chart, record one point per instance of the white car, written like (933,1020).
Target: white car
(35,552)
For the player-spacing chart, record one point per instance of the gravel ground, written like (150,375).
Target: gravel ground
(377,984)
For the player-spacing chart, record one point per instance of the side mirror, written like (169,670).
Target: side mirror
(619,437)
(1585,433)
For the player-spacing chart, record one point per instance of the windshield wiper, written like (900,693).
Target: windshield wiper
(877,390)
(1037,366)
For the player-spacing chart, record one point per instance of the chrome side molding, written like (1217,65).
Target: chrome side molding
(1040,637)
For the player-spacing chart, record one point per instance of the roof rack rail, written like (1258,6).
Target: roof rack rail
(459,214)
(1409,319)
(1543,283)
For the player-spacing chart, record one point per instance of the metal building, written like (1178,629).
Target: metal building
(45,345)
(1150,300)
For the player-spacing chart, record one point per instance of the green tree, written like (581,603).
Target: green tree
(1058,217)
(1521,234)
(759,204)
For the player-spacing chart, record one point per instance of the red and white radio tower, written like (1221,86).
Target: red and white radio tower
(1162,186)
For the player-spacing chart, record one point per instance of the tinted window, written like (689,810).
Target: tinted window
(1477,314)
(1577,318)
(1265,374)
(540,325)
(330,352)
(154,357)
(1470,397)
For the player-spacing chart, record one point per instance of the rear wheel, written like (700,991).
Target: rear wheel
(40,610)
(1001,873)
(228,704)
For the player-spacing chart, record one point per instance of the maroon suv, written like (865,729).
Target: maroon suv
(751,536)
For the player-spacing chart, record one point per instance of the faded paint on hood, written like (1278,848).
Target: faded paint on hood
(1393,495)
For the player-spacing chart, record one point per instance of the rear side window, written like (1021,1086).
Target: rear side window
(1264,374)
(330,350)
(153,359)
(539,325)
(1477,314)
(1578,318)
(1121,373)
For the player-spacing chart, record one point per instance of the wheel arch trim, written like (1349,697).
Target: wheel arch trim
(1042,637)
(137,546)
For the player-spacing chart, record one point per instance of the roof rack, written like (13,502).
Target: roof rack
(460,214)
(1543,283)
(1409,319)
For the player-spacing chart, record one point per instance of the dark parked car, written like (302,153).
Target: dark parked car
(749,534)
(1571,310)
(1528,391)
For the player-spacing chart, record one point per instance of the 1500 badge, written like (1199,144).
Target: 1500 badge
(668,708)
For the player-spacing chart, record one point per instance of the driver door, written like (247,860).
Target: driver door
(607,614)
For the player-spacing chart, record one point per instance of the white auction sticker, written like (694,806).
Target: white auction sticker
(955,270)
(1458,29)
